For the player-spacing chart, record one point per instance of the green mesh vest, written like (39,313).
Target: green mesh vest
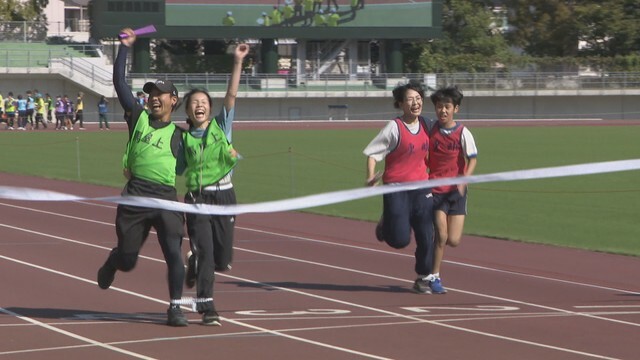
(208,158)
(148,155)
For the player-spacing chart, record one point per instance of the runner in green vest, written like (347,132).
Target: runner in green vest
(209,158)
(150,162)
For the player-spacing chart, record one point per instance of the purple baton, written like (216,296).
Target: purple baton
(141,31)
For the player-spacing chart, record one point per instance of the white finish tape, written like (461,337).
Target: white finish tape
(16,193)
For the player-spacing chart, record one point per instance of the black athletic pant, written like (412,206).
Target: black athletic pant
(78,118)
(211,240)
(132,227)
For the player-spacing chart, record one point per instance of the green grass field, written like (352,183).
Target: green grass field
(596,212)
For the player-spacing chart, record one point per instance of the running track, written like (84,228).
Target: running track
(304,286)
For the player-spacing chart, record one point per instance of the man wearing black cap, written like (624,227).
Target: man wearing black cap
(150,164)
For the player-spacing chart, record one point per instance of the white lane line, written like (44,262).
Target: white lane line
(325,242)
(365,307)
(264,330)
(449,288)
(70,334)
(420,320)
(401,315)
(387,252)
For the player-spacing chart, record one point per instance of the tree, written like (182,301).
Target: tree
(470,41)
(609,29)
(16,10)
(543,27)
(12,11)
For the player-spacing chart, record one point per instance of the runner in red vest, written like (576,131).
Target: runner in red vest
(403,144)
(452,153)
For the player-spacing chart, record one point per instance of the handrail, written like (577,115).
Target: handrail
(495,81)
(86,68)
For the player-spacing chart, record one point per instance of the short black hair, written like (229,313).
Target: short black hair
(401,90)
(447,94)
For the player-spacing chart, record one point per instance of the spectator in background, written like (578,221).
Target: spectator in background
(10,107)
(287,13)
(61,112)
(50,107)
(22,112)
(31,109)
(265,19)
(319,19)
(79,109)
(228,20)
(103,110)
(3,117)
(308,11)
(41,108)
(333,18)
(69,113)
(276,16)
(141,99)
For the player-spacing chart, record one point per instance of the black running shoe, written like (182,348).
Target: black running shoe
(106,274)
(190,276)
(175,317)
(211,318)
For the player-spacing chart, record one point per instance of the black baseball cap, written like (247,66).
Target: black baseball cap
(165,86)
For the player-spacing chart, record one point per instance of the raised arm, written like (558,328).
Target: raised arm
(232,90)
(125,96)
(227,113)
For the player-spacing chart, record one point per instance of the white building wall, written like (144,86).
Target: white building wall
(59,25)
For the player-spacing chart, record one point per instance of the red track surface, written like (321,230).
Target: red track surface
(304,286)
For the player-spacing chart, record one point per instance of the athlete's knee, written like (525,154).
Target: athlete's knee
(126,262)
(442,238)
(453,241)
(398,242)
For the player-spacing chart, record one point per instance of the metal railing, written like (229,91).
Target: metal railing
(38,31)
(97,74)
(494,82)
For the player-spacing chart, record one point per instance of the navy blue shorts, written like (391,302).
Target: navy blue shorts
(451,203)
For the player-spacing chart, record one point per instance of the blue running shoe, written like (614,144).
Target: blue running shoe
(436,286)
